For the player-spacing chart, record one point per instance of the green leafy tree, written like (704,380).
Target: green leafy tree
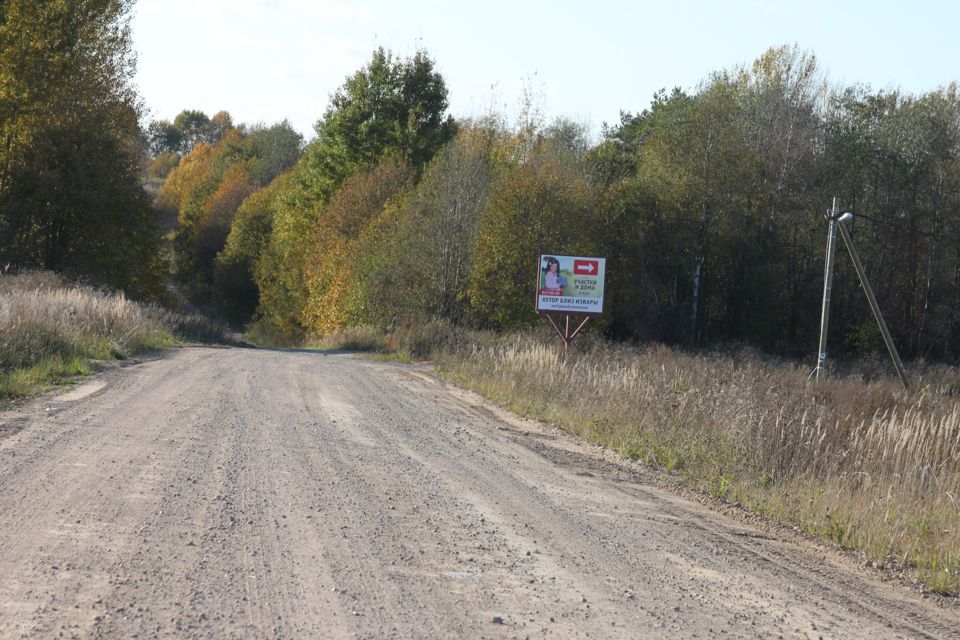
(163,138)
(206,190)
(220,125)
(279,271)
(694,164)
(160,167)
(272,150)
(542,206)
(894,158)
(193,127)
(234,282)
(446,210)
(70,145)
(333,295)
(424,241)
(389,107)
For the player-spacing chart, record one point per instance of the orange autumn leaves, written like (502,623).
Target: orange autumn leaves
(334,287)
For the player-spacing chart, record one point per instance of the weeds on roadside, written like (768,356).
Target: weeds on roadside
(407,343)
(865,464)
(263,335)
(51,330)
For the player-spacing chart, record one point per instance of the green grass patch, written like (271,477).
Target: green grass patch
(49,371)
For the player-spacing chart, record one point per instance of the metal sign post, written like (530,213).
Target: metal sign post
(567,287)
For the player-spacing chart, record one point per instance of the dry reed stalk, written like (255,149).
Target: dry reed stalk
(58,326)
(865,464)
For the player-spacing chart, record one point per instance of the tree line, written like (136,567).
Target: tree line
(708,204)
(71,197)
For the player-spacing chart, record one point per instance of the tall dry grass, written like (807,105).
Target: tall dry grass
(50,329)
(863,463)
(407,342)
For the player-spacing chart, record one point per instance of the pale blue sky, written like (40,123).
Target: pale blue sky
(265,60)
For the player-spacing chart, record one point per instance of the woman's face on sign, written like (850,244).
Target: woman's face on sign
(554,267)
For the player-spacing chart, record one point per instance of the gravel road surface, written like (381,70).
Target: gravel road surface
(234,493)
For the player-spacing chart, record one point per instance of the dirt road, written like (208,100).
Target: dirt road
(257,494)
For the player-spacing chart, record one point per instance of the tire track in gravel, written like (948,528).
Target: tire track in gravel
(229,493)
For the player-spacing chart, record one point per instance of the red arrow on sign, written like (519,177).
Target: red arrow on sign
(586,267)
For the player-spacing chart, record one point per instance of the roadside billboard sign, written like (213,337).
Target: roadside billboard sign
(570,284)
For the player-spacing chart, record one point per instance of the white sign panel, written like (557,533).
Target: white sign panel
(570,284)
